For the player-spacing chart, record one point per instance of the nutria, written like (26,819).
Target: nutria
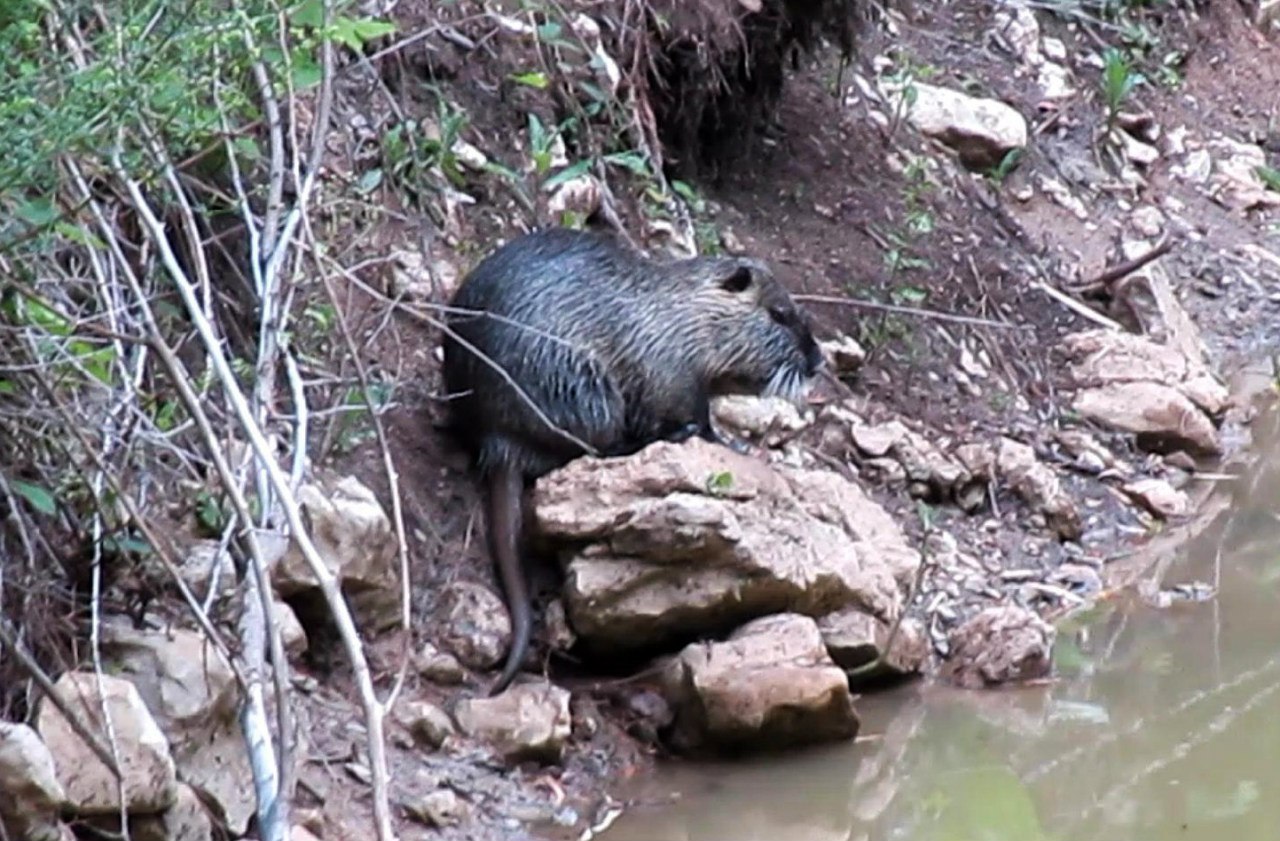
(617,351)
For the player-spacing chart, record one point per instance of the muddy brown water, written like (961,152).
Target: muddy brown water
(1162,724)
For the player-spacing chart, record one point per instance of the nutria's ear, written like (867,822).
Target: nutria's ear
(737,280)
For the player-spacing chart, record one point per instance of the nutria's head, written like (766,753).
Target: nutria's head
(759,342)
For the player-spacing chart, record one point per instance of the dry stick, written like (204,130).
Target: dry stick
(1127,267)
(925,313)
(258,624)
(273,789)
(19,524)
(280,482)
(189,398)
(388,465)
(42,680)
(191,401)
(1077,307)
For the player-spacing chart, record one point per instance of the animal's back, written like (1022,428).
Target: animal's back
(558,305)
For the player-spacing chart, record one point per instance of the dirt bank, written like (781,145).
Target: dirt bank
(847,206)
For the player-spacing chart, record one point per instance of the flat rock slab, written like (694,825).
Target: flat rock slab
(527,721)
(1131,383)
(770,685)
(192,696)
(1001,644)
(150,782)
(684,540)
(32,794)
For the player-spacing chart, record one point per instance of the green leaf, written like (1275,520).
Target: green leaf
(246,148)
(166,416)
(534,79)
(128,544)
(685,192)
(309,13)
(1269,176)
(38,314)
(910,294)
(37,212)
(369,181)
(567,174)
(368,30)
(501,170)
(307,72)
(719,483)
(36,496)
(79,235)
(634,161)
(549,31)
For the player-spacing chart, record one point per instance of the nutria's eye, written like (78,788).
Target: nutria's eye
(739,281)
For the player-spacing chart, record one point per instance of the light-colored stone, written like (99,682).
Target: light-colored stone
(354,538)
(441,808)
(1266,13)
(1002,644)
(527,721)
(680,539)
(769,420)
(204,565)
(422,278)
(1054,80)
(1235,183)
(1147,408)
(854,640)
(32,796)
(580,196)
(185,820)
(438,666)
(192,697)
(292,635)
(1132,383)
(1137,152)
(1159,497)
(844,355)
(427,722)
(1017,25)
(925,465)
(150,782)
(770,685)
(1038,486)
(982,131)
(1147,221)
(473,624)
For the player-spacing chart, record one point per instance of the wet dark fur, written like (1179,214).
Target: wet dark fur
(617,350)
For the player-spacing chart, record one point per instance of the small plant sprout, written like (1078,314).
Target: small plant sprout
(1118,81)
(1008,163)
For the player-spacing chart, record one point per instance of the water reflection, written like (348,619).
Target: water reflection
(1165,724)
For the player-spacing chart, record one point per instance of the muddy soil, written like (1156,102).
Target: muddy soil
(842,206)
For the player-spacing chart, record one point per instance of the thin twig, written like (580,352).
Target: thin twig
(1118,271)
(924,313)
(1077,307)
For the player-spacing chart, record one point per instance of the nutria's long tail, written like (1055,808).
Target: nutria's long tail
(506,519)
